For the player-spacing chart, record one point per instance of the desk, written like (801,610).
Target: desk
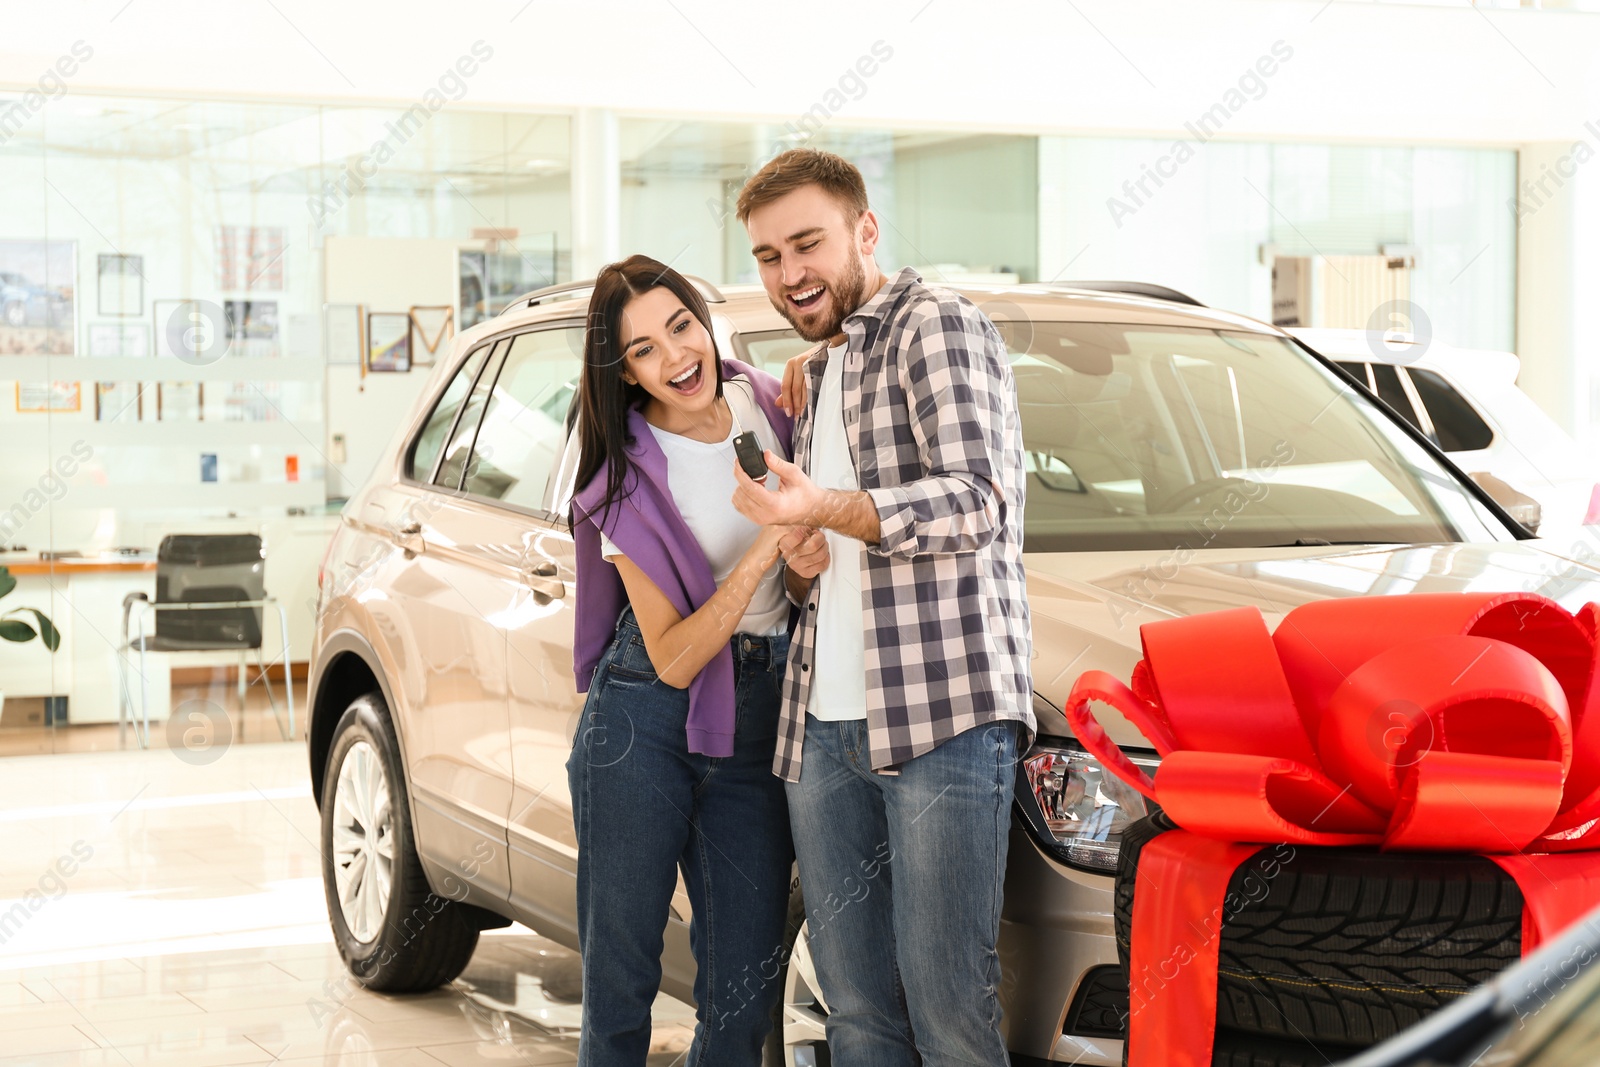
(83,597)
(77,565)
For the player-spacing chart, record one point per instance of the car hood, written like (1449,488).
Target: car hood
(1087,607)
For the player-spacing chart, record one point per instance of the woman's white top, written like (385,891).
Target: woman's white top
(700,475)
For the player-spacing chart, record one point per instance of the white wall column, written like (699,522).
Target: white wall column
(596,191)
(1558,274)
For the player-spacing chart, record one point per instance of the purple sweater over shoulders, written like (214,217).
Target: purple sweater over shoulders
(647,527)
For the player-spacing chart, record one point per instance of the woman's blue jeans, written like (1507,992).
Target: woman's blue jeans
(646,807)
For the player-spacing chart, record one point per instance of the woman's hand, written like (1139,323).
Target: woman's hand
(792,397)
(769,545)
(805,551)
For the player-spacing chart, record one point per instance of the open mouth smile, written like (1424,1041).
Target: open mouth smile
(689,381)
(806,298)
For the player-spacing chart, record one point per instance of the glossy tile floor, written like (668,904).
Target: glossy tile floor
(155,909)
(210,704)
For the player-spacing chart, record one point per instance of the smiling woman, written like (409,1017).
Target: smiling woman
(610,385)
(675,376)
(681,641)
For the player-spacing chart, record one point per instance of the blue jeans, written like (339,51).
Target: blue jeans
(902,877)
(646,807)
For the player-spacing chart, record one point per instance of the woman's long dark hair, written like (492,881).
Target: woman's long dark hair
(604,399)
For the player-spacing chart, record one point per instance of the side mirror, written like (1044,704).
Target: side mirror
(1518,505)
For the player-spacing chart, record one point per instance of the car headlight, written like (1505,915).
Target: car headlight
(1075,808)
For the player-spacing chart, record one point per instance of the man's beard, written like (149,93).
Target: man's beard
(844,299)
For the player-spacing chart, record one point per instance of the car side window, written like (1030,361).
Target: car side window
(425,451)
(1391,392)
(1458,424)
(465,433)
(524,421)
(1358,371)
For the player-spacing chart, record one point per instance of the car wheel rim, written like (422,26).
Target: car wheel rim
(363,842)
(805,1012)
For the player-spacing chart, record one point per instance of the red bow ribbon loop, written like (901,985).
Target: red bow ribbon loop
(1430,721)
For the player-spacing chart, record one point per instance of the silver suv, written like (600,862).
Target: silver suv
(1180,460)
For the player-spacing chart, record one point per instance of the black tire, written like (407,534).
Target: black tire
(1348,946)
(774,1054)
(1134,837)
(424,940)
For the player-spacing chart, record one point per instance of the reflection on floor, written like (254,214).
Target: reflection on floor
(202,705)
(156,910)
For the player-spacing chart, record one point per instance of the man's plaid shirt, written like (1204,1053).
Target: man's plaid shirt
(930,412)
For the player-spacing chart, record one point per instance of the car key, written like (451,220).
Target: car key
(750,455)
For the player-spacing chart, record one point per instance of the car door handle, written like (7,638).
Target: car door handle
(542,579)
(408,537)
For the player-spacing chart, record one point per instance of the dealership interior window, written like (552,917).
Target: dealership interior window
(214,314)
(1416,239)
(680,182)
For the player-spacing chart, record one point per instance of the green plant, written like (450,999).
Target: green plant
(12,629)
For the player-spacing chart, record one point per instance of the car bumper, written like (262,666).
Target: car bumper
(1056,928)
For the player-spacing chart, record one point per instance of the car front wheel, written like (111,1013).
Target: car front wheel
(395,934)
(799,1036)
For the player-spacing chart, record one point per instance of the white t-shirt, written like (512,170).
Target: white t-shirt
(700,476)
(839,676)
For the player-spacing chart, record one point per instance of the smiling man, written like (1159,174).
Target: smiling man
(908,693)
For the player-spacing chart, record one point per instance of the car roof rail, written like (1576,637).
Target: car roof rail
(1158,292)
(582,290)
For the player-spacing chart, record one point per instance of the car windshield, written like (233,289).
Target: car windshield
(1162,437)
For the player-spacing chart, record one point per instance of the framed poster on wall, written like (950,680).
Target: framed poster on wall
(252,327)
(38,305)
(49,396)
(180,401)
(388,342)
(120,284)
(250,258)
(343,327)
(118,401)
(112,339)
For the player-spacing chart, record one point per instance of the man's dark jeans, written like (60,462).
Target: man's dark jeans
(903,877)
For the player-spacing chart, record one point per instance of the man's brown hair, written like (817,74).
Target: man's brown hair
(798,167)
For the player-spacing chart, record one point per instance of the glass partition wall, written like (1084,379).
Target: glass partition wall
(213,316)
(190,296)
(681,180)
(1424,227)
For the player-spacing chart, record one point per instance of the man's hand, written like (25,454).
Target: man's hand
(798,501)
(805,551)
(796,497)
(792,397)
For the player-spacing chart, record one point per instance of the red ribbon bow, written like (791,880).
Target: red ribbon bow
(1453,721)
(1433,721)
